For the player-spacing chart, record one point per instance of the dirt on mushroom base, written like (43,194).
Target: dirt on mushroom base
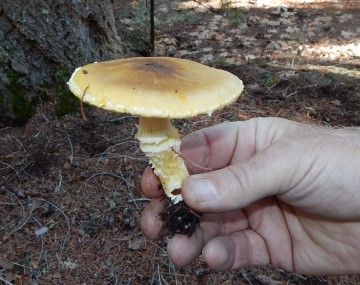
(69,189)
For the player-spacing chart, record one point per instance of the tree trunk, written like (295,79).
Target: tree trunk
(42,41)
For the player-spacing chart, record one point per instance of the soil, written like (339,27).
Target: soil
(69,189)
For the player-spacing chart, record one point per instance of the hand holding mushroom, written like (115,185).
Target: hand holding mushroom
(158,89)
(282,193)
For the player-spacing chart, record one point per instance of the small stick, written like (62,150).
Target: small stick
(192,162)
(5,281)
(82,105)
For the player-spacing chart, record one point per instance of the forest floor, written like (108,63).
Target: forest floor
(69,189)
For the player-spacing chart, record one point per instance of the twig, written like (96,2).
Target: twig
(295,92)
(8,204)
(22,206)
(115,145)
(175,273)
(67,221)
(23,223)
(72,150)
(159,274)
(71,156)
(192,162)
(164,252)
(58,187)
(139,200)
(82,104)
(117,120)
(129,137)
(121,177)
(19,142)
(245,277)
(153,264)
(106,174)
(5,281)
(12,168)
(129,188)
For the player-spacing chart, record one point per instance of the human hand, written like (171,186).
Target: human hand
(282,193)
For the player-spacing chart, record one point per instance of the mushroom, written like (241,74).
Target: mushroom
(157,89)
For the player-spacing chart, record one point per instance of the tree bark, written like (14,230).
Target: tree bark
(42,41)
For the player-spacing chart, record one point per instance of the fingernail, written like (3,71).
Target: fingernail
(203,189)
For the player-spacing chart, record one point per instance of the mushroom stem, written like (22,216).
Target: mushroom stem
(160,141)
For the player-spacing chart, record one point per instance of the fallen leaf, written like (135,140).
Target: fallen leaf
(35,264)
(21,279)
(67,165)
(10,155)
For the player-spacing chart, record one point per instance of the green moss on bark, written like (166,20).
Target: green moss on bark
(22,107)
(66,102)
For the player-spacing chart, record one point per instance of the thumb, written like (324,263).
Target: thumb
(239,185)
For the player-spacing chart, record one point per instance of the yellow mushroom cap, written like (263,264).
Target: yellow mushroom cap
(155,86)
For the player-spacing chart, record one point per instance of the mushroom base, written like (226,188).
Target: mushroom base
(160,141)
(178,219)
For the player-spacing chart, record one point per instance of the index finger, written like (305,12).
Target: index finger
(214,147)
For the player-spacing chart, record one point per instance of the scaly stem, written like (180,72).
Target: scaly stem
(160,141)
